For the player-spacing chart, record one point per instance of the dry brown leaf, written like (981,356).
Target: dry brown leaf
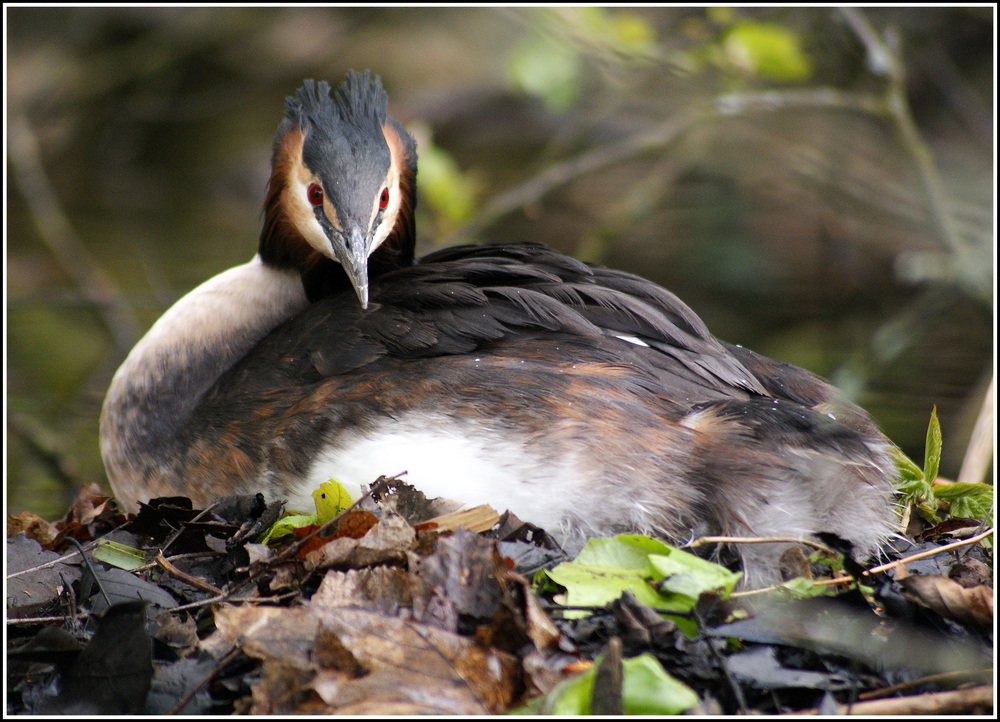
(384,543)
(349,661)
(458,580)
(539,627)
(948,598)
(971,573)
(377,589)
(478,519)
(283,688)
(415,659)
(90,515)
(381,694)
(355,524)
(287,633)
(33,526)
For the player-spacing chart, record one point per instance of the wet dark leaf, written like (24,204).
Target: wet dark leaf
(176,681)
(830,626)
(112,674)
(759,666)
(122,586)
(33,582)
(971,573)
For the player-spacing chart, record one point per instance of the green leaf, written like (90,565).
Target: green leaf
(908,470)
(647,689)
(606,568)
(574,697)
(960,488)
(974,501)
(687,575)
(803,588)
(119,555)
(932,449)
(625,551)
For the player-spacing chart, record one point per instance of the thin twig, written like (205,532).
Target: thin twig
(59,236)
(379,485)
(65,559)
(228,597)
(187,578)
(46,620)
(930,552)
(661,136)
(874,570)
(183,525)
(758,540)
(289,552)
(734,685)
(951,679)
(911,558)
(976,699)
(90,568)
(182,702)
(980,450)
(884,61)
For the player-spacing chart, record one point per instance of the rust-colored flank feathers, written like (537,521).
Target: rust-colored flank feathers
(586,400)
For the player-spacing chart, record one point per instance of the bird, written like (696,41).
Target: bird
(585,400)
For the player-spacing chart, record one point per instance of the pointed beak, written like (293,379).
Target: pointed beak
(353,256)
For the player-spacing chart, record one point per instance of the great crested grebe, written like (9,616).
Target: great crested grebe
(585,400)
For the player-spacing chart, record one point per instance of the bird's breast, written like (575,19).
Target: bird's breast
(471,462)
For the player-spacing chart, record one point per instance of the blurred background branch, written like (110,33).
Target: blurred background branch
(817,183)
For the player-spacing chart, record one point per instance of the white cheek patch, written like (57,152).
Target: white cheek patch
(302,215)
(389,215)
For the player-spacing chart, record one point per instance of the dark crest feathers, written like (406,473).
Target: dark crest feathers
(359,100)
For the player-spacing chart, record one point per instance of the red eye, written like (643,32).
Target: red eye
(315,194)
(383,200)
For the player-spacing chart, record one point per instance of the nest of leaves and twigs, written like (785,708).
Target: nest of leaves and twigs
(393,607)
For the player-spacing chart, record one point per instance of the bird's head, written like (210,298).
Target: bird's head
(342,186)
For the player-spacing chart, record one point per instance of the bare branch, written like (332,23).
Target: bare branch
(981,446)
(60,238)
(660,137)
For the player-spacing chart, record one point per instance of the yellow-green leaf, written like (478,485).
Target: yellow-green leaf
(932,448)
(331,499)
(766,49)
(119,555)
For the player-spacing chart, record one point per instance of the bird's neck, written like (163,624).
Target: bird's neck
(155,392)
